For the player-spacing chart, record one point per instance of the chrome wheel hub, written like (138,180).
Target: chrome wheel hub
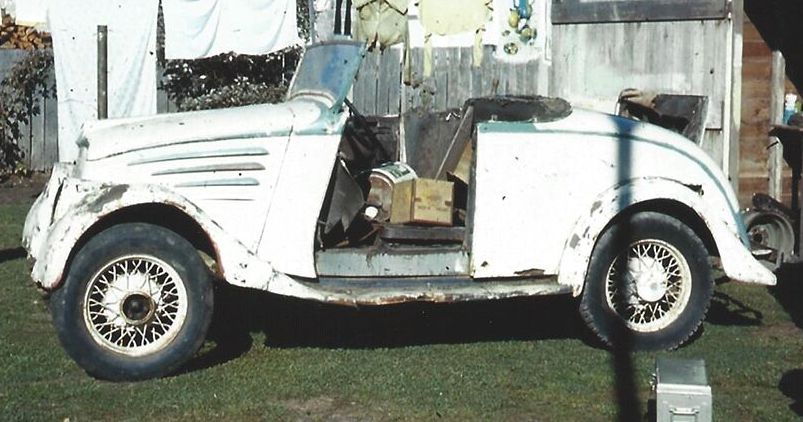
(649,278)
(138,308)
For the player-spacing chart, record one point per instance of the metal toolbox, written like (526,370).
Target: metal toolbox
(682,392)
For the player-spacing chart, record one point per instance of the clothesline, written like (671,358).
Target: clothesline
(193,29)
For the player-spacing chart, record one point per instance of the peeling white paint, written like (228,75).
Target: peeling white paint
(84,203)
(255,180)
(288,238)
(737,261)
(546,190)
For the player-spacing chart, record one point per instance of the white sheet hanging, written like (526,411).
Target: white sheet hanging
(131,61)
(27,12)
(203,28)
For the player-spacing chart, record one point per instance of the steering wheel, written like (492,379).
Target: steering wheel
(356,113)
(364,124)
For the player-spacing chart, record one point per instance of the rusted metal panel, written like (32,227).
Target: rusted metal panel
(399,262)
(684,114)
(428,137)
(76,205)
(361,292)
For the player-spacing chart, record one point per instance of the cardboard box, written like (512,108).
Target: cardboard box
(422,201)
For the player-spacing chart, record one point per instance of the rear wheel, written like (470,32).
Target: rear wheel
(136,304)
(649,283)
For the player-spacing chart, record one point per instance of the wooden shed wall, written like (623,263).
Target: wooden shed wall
(754,141)
(593,63)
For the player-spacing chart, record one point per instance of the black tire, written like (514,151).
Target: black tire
(685,298)
(98,313)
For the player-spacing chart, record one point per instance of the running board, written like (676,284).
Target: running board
(397,262)
(356,291)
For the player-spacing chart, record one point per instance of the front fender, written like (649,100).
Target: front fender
(82,204)
(737,261)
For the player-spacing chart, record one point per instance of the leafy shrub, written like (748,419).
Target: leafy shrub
(21,93)
(229,80)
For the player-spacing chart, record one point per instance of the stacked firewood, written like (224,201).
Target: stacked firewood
(21,37)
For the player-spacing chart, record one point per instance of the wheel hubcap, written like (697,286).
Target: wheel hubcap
(135,305)
(649,285)
(138,308)
(649,278)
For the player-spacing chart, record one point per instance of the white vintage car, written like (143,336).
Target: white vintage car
(131,237)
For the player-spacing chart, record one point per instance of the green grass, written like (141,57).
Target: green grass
(271,358)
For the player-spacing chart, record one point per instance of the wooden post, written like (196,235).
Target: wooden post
(103,72)
(312,16)
(777,79)
(732,141)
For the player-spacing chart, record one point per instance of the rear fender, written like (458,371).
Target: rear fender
(737,262)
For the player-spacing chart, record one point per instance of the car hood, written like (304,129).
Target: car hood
(106,138)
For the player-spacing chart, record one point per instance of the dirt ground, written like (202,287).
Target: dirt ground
(21,189)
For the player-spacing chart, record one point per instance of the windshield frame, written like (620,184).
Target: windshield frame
(327,71)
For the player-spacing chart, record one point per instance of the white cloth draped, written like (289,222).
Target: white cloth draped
(203,28)
(131,62)
(27,12)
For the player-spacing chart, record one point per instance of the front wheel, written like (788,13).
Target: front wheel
(136,304)
(649,283)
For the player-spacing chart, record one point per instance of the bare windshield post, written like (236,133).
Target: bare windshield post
(327,70)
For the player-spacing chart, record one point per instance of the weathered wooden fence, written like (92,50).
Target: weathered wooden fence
(381,89)
(589,64)
(39,140)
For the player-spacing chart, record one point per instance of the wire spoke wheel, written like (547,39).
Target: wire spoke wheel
(135,305)
(649,285)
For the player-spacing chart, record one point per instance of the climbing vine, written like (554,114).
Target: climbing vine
(21,93)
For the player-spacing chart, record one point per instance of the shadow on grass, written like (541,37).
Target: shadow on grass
(789,292)
(292,323)
(791,386)
(725,310)
(12,254)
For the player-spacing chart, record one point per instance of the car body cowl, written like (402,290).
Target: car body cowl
(113,137)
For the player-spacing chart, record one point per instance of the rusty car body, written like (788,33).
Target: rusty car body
(557,201)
